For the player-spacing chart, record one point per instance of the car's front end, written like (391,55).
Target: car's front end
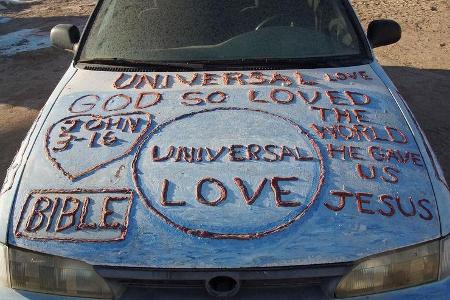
(278,162)
(416,272)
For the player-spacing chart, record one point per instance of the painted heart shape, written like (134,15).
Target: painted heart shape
(80,145)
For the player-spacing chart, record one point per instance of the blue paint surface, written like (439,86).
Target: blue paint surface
(220,129)
(317,235)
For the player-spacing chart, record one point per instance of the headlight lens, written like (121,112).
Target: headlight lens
(4,276)
(50,274)
(445,258)
(396,270)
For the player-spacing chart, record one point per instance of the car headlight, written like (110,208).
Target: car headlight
(444,270)
(36,272)
(397,269)
(4,276)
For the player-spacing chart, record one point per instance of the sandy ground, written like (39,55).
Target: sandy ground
(419,64)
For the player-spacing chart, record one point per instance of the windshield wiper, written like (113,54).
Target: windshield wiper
(160,65)
(330,61)
(230,64)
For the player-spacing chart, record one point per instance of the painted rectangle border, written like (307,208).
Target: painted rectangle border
(124,191)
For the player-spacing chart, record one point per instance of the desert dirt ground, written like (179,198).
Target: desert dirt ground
(419,65)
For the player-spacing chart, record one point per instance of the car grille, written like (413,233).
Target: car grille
(201,283)
(312,282)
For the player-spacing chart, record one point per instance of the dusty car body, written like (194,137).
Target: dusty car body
(243,180)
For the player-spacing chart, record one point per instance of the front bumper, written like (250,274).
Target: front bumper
(11,294)
(431,291)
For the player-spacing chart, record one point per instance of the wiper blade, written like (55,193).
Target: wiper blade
(264,62)
(231,64)
(142,64)
(280,61)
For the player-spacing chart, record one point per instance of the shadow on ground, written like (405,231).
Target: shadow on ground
(427,93)
(44,24)
(29,78)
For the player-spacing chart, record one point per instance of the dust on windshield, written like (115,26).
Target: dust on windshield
(205,30)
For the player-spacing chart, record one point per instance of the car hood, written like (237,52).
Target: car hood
(223,170)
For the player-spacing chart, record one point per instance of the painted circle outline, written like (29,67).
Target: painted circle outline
(223,236)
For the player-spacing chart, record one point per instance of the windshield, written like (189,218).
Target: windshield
(227,30)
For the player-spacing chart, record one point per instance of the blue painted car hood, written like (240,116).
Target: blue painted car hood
(223,170)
